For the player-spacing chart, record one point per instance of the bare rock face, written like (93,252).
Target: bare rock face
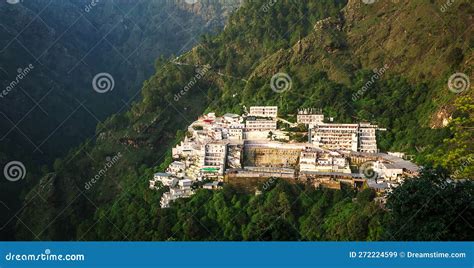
(441,118)
(215,12)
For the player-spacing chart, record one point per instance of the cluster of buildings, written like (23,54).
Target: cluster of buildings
(231,147)
(178,188)
(310,117)
(360,137)
(313,160)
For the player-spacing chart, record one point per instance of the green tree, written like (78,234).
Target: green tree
(431,207)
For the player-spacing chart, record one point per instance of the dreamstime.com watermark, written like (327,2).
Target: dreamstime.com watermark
(91,5)
(445,6)
(368,2)
(46,256)
(268,184)
(103,82)
(200,73)
(13,2)
(22,73)
(367,170)
(110,162)
(378,73)
(14,171)
(266,7)
(281,82)
(405,254)
(459,82)
(463,165)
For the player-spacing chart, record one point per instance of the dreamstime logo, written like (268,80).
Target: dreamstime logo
(12,2)
(281,82)
(103,82)
(266,7)
(200,73)
(268,184)
(463,165)
(367,170)
(110,162)
(459,82)
(368,2)
(191,2)
(14,171)
(91,5)
(22,73)
(47,255)
(376,76)
(446,6)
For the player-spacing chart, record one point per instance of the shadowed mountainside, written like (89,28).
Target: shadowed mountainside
(329,49)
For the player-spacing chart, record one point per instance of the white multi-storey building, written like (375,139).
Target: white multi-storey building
(264,111)
(348,137)
(185,184)
(388,171)
(216,133)
(310,117)
(166,179)
(211,185)
(367,138)
(260,124)
(183,149)
(174,194)
(308,159)
(320,161)
(235,133)
(335,136)
(231,118)
(214,159)
(177,168)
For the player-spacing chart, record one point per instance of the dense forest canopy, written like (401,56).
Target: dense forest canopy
(296,212)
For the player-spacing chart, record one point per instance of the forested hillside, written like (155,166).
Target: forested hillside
(60,46)
(330,50)
(50,52)
(289,212)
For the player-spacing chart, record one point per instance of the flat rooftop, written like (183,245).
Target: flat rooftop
(398,162)
(342,174)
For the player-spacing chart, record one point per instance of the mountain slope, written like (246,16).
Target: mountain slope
(50,52)
(329,59)
(68,43)
(386,33)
